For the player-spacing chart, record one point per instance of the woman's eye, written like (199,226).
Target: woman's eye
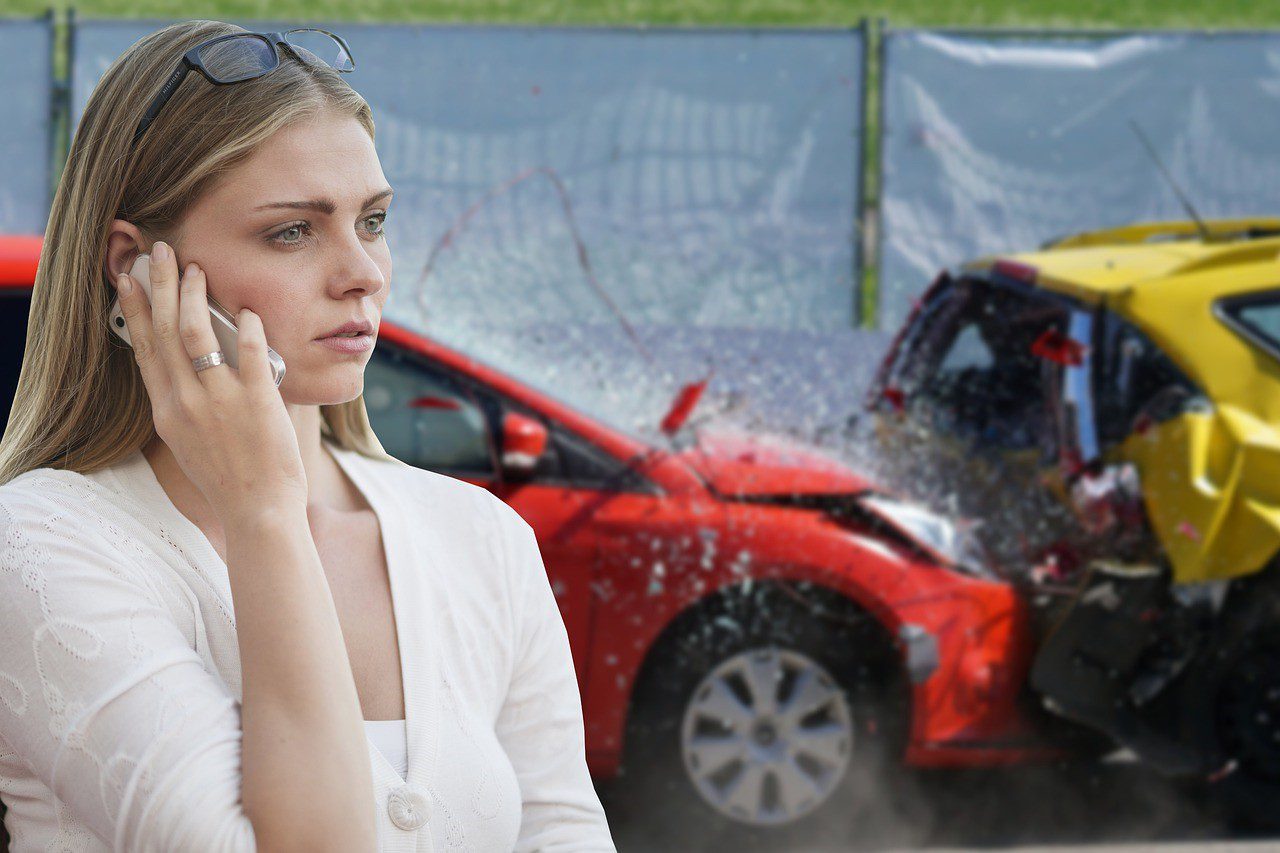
(279,236)
(283,238)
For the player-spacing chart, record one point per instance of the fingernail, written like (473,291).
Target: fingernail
(124,284)
(160,252)
(191,269)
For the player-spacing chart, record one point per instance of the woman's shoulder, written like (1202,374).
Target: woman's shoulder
(458,508)
(59,526)
(53,508)
(463,496)
(41,489)
(442,493)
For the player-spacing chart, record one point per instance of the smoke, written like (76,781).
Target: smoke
(1023,807)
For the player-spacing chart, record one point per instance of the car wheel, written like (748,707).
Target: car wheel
(775,713)
(1248,730)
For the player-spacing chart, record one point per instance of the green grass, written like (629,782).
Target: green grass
(1093,13)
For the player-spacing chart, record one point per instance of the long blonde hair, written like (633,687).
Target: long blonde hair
(81,403)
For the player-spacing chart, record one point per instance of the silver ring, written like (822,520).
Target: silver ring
(204,362)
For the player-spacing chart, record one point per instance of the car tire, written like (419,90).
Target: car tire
(1248,729)
(1232,708)
(695,762)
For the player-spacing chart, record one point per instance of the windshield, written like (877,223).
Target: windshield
(592,368)
(787,381)
(969,421)
(970,370)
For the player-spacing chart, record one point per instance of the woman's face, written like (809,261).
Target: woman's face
(294,234)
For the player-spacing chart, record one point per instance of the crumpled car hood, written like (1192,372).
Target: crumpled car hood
(747,465)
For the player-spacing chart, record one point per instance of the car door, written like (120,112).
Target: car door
(1207,466)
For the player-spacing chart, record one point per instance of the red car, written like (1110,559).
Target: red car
(750,621)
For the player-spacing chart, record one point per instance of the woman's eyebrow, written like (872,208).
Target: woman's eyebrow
(324,205)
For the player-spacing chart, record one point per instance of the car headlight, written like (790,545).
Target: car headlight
(950,542)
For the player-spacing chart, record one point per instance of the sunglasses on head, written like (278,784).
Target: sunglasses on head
(237,57)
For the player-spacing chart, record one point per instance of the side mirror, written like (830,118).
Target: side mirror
(524,440)
(683,406)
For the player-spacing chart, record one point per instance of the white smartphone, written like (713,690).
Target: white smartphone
(224,328)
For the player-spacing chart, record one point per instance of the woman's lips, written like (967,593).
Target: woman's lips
(358,343)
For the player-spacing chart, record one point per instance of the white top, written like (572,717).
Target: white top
(120,673)
(391,739)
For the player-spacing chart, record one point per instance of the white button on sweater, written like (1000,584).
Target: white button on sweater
(120,673)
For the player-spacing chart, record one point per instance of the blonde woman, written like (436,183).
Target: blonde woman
(228,620)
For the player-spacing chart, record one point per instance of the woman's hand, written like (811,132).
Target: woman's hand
(228,428)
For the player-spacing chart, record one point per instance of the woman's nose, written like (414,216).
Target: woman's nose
(357,269)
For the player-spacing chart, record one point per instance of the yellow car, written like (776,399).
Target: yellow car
(1108,408)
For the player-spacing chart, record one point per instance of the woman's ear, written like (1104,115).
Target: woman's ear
(125,242)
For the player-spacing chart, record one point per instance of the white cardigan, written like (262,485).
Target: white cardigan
(120,672)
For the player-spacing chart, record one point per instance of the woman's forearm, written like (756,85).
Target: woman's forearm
(307,780)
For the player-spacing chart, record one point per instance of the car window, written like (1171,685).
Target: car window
(1136,380)
(424,418)
(974,373)
(970,350)
(1255,317)
(918,338)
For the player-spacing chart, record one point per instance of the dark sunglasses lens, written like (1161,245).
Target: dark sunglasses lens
(315,46)
(239,58)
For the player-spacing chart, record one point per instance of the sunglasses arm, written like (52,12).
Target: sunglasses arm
(166,91)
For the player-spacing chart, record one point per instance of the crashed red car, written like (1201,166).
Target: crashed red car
(750,621)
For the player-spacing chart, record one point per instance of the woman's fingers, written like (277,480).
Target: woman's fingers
(165,320)
(251,343)
(137,316)
(236,442)
(195,327)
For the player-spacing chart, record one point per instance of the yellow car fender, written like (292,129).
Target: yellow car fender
(1211,484)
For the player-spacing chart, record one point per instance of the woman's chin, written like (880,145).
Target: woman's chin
(331,391)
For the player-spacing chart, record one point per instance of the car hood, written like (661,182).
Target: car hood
(738,465)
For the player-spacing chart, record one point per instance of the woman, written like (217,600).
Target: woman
(228,620)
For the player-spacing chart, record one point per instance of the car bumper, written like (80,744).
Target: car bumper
(966,649)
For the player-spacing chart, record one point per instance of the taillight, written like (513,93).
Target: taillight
(895,398)
(1016,271)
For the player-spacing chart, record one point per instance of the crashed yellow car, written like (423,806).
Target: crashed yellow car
(1108,409)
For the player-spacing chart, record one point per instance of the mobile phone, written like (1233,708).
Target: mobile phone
(224,327)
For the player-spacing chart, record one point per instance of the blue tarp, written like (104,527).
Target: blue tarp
(996,143)
(26,88)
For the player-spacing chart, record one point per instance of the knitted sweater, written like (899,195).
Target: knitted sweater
(120,679)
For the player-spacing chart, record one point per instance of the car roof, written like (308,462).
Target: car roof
(1094,265)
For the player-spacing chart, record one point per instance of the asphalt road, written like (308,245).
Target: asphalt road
(1169,847)
(1059,809)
